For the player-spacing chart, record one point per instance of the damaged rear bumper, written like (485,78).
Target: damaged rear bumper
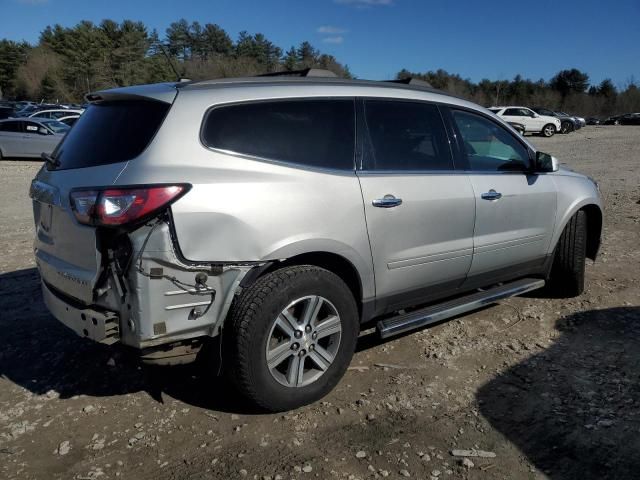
(157,303)
(103,327)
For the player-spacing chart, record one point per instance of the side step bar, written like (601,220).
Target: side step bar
(436,313)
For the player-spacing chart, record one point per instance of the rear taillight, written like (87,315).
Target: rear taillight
(122,206)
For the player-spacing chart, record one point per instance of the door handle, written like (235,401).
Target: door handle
(387,201)
(491,195)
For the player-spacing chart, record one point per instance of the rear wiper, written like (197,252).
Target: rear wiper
(52,162)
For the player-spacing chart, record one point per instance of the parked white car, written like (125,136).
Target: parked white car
(533,122)
(56,114)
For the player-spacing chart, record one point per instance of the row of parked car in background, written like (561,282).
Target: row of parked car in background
(65,113)
(548,122)
(29,129)
(539,120)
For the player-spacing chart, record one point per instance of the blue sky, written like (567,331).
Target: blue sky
(376,38)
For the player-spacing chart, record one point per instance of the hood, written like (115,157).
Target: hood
(565,171)
(550,119)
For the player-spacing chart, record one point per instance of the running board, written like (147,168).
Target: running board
(436,313)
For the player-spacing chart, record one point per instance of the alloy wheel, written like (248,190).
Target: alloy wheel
(303,341)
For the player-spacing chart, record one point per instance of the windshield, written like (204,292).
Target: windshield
(56,126)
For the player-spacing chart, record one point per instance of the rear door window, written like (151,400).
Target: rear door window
(512,112)
(32,127)
(111,132)
(406,136)
(312,132)
(15,127)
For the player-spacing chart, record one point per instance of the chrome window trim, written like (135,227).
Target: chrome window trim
(442,172)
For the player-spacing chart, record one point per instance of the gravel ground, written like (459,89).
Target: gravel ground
(551,388)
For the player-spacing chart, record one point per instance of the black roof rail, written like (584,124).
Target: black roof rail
(306,72)
(411,81)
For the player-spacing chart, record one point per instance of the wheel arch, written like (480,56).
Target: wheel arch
(335,263)
(594,225)
(594,229)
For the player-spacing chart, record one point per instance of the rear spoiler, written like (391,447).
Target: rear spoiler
(162,92)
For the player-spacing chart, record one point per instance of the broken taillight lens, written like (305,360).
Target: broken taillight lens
(122,206)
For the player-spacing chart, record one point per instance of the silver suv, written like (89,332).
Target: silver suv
(273,216)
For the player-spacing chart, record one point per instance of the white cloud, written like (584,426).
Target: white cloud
(365,3)
(337,39)
(331,30)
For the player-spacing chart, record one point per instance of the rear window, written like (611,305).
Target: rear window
(111,132)
(316,133)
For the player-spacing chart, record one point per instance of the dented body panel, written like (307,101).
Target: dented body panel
(167,303)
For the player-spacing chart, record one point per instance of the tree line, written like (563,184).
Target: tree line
(68,62)
(569,90)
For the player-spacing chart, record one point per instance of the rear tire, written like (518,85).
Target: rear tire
(567,271)
(549,130)
(276,354)
(567,127)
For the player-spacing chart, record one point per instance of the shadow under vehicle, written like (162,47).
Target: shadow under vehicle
(573,409)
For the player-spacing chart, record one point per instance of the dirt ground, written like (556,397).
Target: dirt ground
(552,387)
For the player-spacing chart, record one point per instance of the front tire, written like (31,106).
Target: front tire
(567,127)
(549,130)
(291,337)
(567,271)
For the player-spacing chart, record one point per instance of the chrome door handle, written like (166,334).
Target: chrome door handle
(491,195)
(387,201)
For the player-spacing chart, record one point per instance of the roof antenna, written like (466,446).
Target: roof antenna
(166,55)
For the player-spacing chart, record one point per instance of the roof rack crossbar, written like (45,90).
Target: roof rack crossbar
(411,81)
(306,72)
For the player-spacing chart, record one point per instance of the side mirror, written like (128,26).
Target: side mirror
(546,163)
(534,115)
(43,131)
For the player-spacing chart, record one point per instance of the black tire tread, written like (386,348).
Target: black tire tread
(567,275)
(244,311)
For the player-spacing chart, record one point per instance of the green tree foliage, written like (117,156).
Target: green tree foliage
(570,81)
(69,62)
(12,55)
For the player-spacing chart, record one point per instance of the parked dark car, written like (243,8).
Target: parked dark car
(630,119)
(580,121)
(612,120)
(593,121)
(28,110)
(626,119)
(6,112)
(568,124)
